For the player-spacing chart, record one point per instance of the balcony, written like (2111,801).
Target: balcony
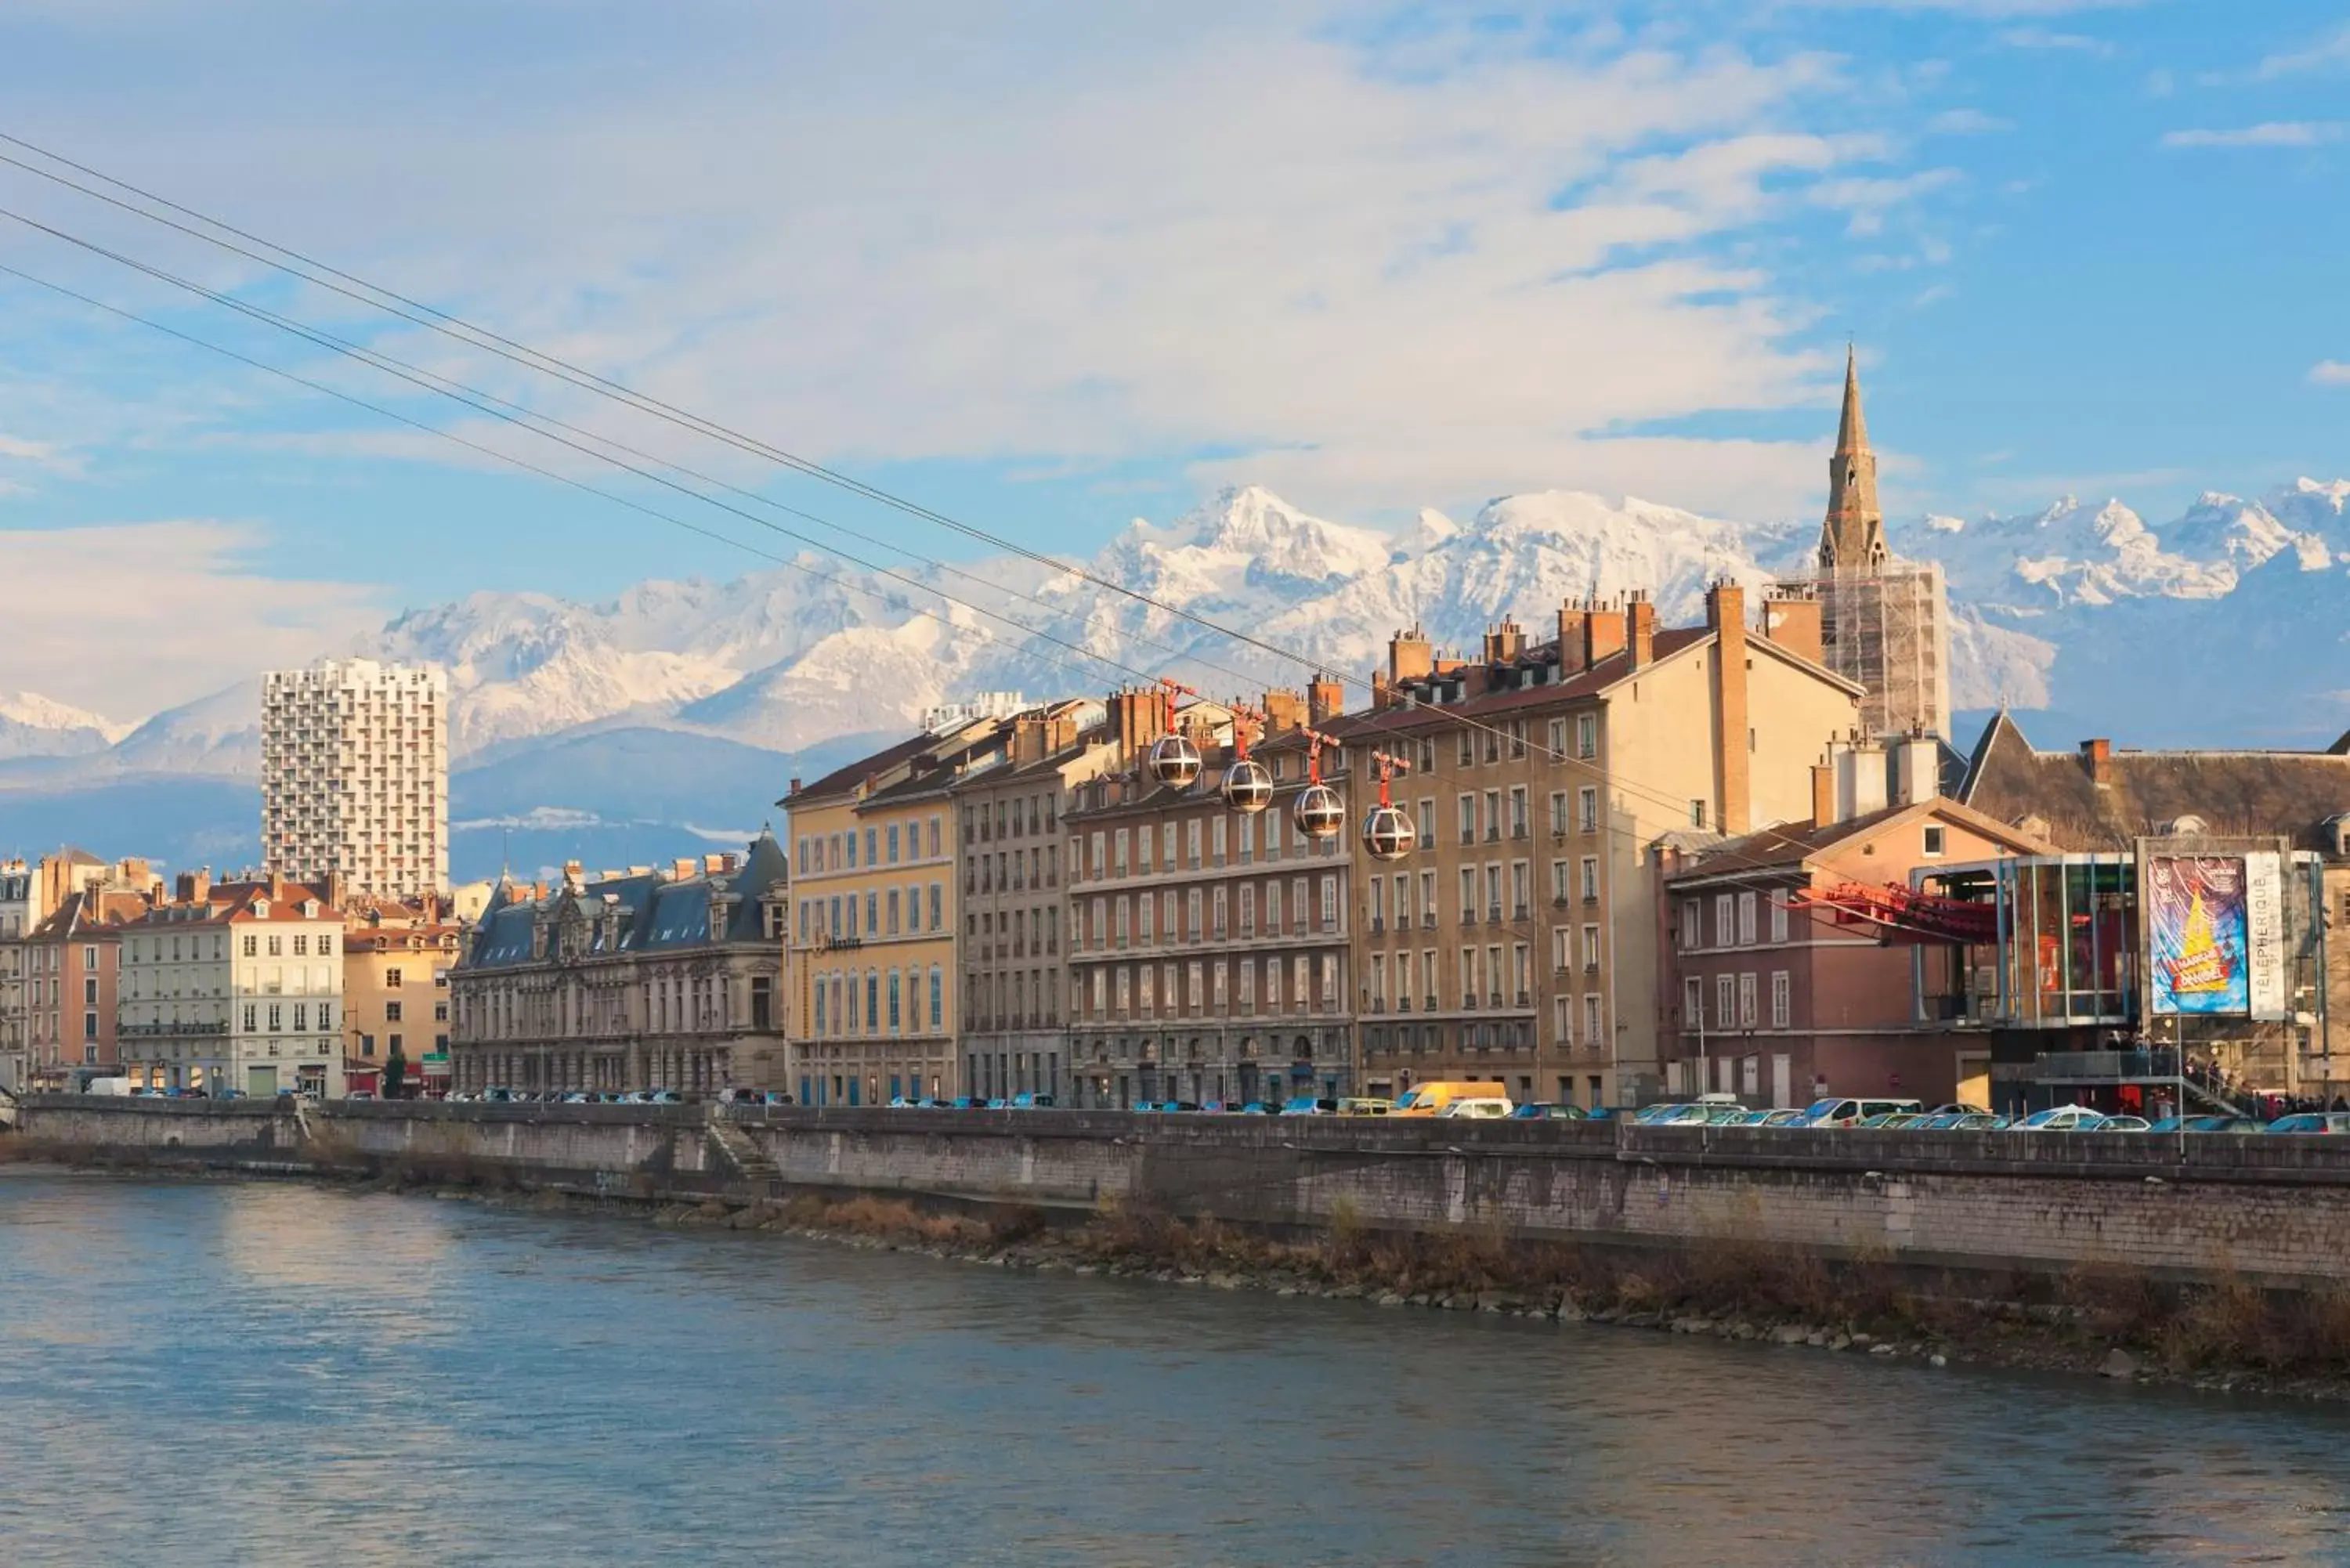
(1427,919)
(1468,916)
(1526,999)
(1493,914)
(1494,1000)
(1403,1004)
(1517,830)
(1427,1003)
(1379,924)
(1493,833)
(1521,912)
(1470,1002)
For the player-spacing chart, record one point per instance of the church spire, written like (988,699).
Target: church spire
(1852,539)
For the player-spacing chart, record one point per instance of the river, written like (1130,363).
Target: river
(205,1373)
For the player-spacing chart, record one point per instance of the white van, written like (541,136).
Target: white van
(1845,1113)
(1481,1107)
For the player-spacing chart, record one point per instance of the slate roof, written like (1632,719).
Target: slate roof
(659,913)
(2271,794)
(1787,845)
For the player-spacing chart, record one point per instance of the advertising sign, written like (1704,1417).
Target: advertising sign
(2198,935)
(2265,934)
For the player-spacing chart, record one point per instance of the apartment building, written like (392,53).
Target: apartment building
(355,775)
(20,910)
(1780,998)
(642,979)
(236,985)
(1009,821)
(397,955)
(873,966)
(1518,941)
(1209,947)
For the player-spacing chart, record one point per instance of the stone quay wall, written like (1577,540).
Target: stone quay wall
(2268,1210)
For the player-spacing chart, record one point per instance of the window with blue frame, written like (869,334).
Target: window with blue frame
(938,998)
(894,1016)
(893,844)
(872,999)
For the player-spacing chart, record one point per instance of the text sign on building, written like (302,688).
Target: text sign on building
(2198,935)
(2265,934)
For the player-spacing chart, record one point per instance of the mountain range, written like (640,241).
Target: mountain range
(674,715)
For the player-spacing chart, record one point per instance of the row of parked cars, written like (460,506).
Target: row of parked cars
(1719,1110)
(497,1096)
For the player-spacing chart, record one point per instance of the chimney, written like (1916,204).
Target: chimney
(795,789)
(679,870)
(1917,769)
(2097,759)
(571,874)
(336,891)
(1060,732)
(1138,716)
(1860,778)
(1324,700)
(1603,632)
(193,887)
(1725,616)
(1027,739)
(712,865)
(1641,633)
(1505,642)
(1410,657)
(1283,710)
(1791,618)
(1824,795)
(1574,620)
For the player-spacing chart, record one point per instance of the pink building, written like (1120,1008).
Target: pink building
(1779,1003)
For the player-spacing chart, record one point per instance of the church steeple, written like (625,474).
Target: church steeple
(1853,536)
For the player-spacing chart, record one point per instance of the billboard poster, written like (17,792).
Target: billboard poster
(2265,934)
(2197,935)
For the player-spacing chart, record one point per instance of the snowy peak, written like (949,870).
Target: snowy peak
(1275,542)
(32,725)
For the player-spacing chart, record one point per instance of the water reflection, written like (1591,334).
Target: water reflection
(431,1383)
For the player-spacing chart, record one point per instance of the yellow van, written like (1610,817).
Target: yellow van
(1430,1100)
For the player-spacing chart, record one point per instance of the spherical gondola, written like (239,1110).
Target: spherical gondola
(1247,787)
(1388,833)
(1174,761)
(1320,812)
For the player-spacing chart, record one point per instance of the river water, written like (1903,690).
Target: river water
(257,1374)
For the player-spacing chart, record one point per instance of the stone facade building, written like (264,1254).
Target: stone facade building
(1520,941)
(873,969)
(1009,822)
(234,986)
(1209,956)
(631,981)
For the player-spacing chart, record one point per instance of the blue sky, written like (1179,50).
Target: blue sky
(1051,266)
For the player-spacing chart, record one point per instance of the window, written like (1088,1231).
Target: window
(1591,949)
(1725,927)
(1692,920)
(1587,734)
(1118,848)
(1590,879)
(1693,1001)
(1586,808)
(872,913)
(1468,813)
(1746,1001)
(1779,999)
(1329,903)
(893,912)
(1746,919)
(1725,1000)
(1934,838)
(1468,895)
(392,980)
(1697,814)
(1558,811)
(1594,1028)
(938,907)
(1518,812)
(938,986)
(1778,918)
(277,947)
(893,844)
(392,1012)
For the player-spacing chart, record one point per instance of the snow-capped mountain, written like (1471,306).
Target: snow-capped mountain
(2048,609)
(32,725)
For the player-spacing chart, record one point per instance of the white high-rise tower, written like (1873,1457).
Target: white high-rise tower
(355,775)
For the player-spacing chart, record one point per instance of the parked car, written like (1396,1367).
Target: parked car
(2210,1124)
(968,1103)
(1783,1116)
(1549,1111)
(1846,1113)
(2064,1118)
(1366,1106)
(1307,1105)
(1030,1100)
(1481,1108)
(1256,1108)
(1686,1115)
(663,1097)
(1430,1100)
(2312,1122)
(1890,1120)
(2124,1124)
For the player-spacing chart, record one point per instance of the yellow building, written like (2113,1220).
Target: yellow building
(397,954)
(870,963)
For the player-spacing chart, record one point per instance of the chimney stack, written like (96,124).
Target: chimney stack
(1791,619)
(1725,616)
(1137,717)
(2097,758)
(1410,657)
(1603,632)
(1283,710)
(1574,620)
(1917,769)
(1505,642)
(1824,795)
(1641,631)
(1325,699)
(277,887)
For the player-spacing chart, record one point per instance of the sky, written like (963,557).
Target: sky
(1046,268)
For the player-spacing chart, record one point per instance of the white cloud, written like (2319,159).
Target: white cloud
(2270,133)
(2330,373)
(1967,122)
(1229,230)
(2043,38)
(2329,52)
(29,451)
(130,618)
